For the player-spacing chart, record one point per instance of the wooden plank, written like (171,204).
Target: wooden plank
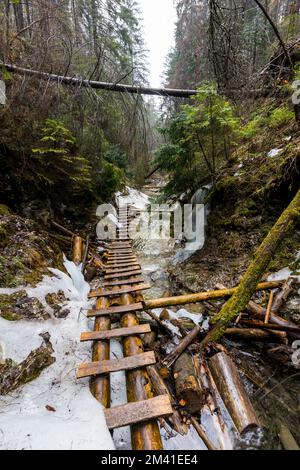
(122,270)
(121,258)
(105,367)
(116,333)
(123,264)
(125,290)
(116,310)
(136,272)
(120,251)
(124,282)
(138,412)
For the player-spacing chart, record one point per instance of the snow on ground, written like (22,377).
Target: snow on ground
(135,199)
(78,421)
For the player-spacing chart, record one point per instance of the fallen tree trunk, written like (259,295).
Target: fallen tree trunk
(80,82)
(178,350)
(252,334)
(63,229)
(282,296)
(242,296)
(202,433)
(269,326)
(187,387)
(287,439)
(260,312)
(203,296)
(233,393)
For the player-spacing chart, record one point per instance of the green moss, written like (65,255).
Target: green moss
(281,116)
(4,210)
(3,237)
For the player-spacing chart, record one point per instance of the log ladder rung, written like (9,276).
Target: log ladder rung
(123,274)
(116,310)
(138,361)
(125,282)
(138,412)
(122,270)
(116,333)
(125,290)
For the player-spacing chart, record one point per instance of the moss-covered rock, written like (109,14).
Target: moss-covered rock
(19,306)
(4,210)
(13,375)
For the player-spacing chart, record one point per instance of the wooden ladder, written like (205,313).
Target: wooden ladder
(121,298)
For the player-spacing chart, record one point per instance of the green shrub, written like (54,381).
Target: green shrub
(281,116)
(56,163)
(111,180)
(253,127)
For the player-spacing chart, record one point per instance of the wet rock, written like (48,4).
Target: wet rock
(55,301)
(19,306)
(14,375)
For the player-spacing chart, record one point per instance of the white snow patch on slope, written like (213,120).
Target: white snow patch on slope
(135,199)
(78,422)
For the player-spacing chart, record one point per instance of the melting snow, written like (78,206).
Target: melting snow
(135,199)
(78,422)
(274,152)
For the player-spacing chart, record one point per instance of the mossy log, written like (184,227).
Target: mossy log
(240,299)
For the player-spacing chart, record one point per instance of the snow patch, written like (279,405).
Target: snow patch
(78,420)
(274,152)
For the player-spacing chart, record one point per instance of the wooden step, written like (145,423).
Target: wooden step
(124,282)
(116,251)
(121,257)
(116,333)
(138,412)
(121,265)
(121,260)
(116,310)
(122,291)
(105,367)
(122,270)
(121,245)
(136,272)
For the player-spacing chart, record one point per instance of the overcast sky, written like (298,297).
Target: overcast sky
(159,18)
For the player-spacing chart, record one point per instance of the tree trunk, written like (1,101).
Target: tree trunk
(233,393)
(188,390)
(239,301)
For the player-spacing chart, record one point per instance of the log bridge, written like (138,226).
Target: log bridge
(121,298)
